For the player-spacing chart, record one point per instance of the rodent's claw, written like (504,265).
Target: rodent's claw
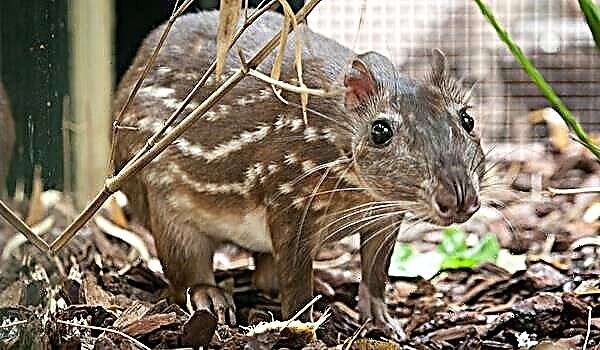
(393,329)
(384,321)
(216,300)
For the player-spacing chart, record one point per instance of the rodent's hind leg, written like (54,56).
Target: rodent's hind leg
(375,252)
(265,276)
(186,254)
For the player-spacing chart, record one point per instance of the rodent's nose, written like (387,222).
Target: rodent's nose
(453,207)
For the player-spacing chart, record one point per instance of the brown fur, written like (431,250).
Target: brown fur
(252,157)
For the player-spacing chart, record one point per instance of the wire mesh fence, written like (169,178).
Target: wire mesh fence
(552,33)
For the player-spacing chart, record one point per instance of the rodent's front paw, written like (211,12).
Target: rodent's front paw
(216,300)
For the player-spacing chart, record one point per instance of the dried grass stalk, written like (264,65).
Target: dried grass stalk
(229,12)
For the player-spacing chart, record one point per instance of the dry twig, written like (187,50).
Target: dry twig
(124,335)
(22,227)
(177,11)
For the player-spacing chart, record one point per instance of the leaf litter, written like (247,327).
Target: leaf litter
(524,274)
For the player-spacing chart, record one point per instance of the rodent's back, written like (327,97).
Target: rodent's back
(250,141)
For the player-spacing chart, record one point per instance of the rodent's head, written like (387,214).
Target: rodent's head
(413,141)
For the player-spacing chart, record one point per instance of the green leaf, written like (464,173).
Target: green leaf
(592,16)
(407,263)
(511,263)
(453,241)
(452,253)
(486,250)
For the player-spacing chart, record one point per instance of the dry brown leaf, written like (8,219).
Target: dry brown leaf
(36,210)
(559,131)
(132,314)
(93,294)
(229,13)
(370,344)
(588,287)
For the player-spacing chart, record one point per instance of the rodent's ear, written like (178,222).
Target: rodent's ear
(439,62)
(359,83)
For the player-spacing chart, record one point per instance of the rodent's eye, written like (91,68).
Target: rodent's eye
(466,120)
(381,132)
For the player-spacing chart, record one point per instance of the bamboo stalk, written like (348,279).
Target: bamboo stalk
(139,161)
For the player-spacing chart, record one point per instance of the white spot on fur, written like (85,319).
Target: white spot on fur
(157,91)
(308,165)
(319,205)
(212,116)
(224,149)
(223,109)
(149,124)
(286,188)
(255,171)
(298,202)
(241,188)
(264,94)
(238,143)
(297,124)
(171,103)
(281,122)
(162,70)
(210,80)
(311,134)
(289,158)
(158,178)
(272,168)
(329,135)
(245,100)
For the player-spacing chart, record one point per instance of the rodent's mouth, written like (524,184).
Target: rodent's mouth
(448,214)
(447,221)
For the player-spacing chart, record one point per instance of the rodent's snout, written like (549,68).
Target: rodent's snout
(455,202)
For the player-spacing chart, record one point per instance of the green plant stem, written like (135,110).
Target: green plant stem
(592,17)
(540,82)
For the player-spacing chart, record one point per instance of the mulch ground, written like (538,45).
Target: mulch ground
(104,290)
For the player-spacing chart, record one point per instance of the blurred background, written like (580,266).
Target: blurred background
(61,59)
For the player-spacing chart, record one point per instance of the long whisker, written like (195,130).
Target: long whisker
(310,200)
(307,208)
(375,206)
(505,218)
(368,218)
(380,231)
(393,228)
(307,173)
(346,189)
(317,168)
(337,184)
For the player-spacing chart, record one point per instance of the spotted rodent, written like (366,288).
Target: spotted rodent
(253,173)
(7,138)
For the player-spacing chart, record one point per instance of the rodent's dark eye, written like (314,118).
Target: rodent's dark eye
(381,132)
(466,120)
